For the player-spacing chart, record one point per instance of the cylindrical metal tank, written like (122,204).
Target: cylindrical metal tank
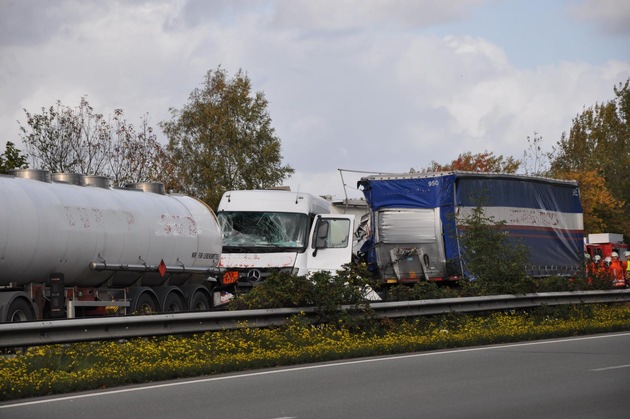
(71,178)
(53,227)
(98,181)
(37,174)
(154,187)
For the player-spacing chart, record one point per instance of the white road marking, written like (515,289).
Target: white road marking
(616,367)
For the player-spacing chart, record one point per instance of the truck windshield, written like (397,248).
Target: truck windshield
(263,229)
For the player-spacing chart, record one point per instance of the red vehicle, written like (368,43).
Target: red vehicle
(605,246)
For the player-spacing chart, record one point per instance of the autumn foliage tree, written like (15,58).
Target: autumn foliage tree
(596,151)
(602,211)
(222,139)
(479,162)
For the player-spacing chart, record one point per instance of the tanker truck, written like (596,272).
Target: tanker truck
(415,222)
(73,245)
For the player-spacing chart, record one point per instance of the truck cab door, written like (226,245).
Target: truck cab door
(330,243)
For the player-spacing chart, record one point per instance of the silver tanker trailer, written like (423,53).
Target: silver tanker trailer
(73,245)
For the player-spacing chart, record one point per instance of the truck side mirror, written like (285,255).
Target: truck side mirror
(321,235)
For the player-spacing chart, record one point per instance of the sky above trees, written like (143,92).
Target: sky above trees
(364,85)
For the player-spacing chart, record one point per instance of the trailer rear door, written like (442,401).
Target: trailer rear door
(409,244)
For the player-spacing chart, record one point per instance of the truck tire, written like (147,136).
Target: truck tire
(20,310)
(200,302)
(145,304)
(173,303)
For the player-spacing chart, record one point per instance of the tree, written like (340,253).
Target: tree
(12,158)
(135,155)
(491,273)
(78,140)
(480,162)
(602,211)
(222,139)
(62,139)
(599,143)
(535,161)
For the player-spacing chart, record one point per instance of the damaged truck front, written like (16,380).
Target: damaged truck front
(415,222)
(266,231)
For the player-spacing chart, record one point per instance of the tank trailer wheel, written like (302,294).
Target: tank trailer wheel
(145,304)
(200,302)
(20,311)
(173,303)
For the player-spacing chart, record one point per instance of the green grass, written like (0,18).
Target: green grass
(58,369)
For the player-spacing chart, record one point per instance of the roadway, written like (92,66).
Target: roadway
(583,377)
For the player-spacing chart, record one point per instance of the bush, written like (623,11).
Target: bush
(322,290)
(279,290)
(421,291)
(494,262)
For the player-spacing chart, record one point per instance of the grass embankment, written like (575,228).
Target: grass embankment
(67,368)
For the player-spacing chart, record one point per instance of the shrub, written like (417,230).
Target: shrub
(494,262)
(421,291)
(322,290)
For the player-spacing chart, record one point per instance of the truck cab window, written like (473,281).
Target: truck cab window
(263,229)
(336,235)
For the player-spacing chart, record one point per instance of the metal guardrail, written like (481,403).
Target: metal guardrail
(80,330)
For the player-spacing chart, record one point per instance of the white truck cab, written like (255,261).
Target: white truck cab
(270,230)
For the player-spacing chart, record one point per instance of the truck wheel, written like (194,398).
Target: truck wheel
(173,303)
(20,310)
(200,302)
(145,304)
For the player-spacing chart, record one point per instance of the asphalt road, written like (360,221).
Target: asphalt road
(585,377)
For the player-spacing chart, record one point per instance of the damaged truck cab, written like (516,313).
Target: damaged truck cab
(277,230)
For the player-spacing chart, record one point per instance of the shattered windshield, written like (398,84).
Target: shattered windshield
(263,229)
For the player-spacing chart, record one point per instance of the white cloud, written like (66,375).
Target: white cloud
(611,17)
(353,87)
(118,59)
(349,15)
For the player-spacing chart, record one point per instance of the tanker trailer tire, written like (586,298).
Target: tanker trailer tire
(198,297)
(173,303)
(144,303)
(20,310)
(200,302)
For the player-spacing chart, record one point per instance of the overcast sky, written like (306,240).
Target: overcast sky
(364,85)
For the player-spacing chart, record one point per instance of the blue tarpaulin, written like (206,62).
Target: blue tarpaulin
(544,214)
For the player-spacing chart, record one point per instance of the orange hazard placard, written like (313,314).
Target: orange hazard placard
(162,268)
